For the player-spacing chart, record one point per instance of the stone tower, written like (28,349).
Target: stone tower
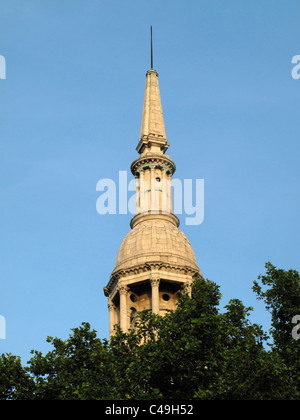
(155,260)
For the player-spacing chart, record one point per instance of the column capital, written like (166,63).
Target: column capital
(187,287)
(111,306)
(123,290)
(154,279)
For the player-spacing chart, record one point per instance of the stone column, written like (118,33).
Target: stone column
(112,317)
(123,290)
(155,280)
(165,195)
(169,178)
(138,201)
(153,201)
(142,191)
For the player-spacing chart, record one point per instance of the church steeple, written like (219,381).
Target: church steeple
(155,260)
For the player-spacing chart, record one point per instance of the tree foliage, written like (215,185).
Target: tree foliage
(194,352)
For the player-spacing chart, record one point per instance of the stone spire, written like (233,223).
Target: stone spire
(155,261)
(152,134)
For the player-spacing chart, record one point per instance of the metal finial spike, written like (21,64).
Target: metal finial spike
(151,48)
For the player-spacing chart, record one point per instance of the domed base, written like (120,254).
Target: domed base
(155,215)
(154,244)
(155,261)
(155,238)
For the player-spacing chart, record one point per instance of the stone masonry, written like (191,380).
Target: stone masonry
(155,260)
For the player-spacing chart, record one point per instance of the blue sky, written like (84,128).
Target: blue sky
(70,114)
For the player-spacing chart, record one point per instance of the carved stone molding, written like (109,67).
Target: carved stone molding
(143,217)
(123,290)
(154,280)
(153,160)
(187,287)
(144,270)
(111,306)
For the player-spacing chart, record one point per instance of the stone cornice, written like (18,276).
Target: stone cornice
(142,217)
(159,268)
(146,142)
(153,159)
